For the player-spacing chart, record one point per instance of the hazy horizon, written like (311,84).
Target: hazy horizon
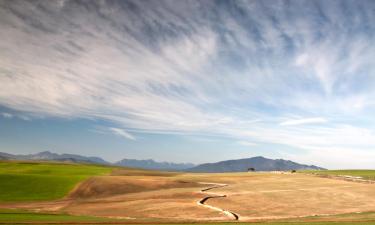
(190,81)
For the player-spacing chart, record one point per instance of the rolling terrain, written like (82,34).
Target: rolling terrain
(73,158)
(50,156)
(123,195)
(365,174)
(31,181)
(258,163)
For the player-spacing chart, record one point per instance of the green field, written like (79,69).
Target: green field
(30,181)
(33,181)
(366,174)
(20,217)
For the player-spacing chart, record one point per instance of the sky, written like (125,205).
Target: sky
(190,81)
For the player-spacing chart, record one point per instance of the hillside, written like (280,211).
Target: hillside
(153,165)
(258,163)
(142,164)
(49,156)
(33,181)
(144,196)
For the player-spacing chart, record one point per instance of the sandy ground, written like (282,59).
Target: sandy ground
(275,196)
(174,197)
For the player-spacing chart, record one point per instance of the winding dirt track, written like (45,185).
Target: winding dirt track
(202,202)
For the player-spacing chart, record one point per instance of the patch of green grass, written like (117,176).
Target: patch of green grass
(20,216)
(30,181)
(9,216)
(366,174)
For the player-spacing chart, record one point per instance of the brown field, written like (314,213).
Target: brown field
(161,196)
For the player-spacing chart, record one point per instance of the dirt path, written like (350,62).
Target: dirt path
(202,202)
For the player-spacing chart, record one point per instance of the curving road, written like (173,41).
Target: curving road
(202,202)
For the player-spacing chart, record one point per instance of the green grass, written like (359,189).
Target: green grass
(22,216)
(366,174)
(11,216)
(8,216)
(31,181)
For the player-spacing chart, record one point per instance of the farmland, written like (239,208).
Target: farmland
(20,217)
(366,174)
(55,192)
(31,181)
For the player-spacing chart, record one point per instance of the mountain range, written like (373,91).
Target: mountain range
(240,165)
(49,156)
(258,163)
(151,164)
(144,164)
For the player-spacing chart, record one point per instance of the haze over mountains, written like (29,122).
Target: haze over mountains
(258,163)
(144,164)
(151,164)
(239,165)
(49,156)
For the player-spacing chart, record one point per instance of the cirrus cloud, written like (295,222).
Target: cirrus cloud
(195,67)
(303,121)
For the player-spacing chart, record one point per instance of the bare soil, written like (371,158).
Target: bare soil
(173,197)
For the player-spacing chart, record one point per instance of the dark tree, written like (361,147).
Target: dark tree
(251,169)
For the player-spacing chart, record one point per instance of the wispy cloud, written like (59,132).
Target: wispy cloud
(303,121)
(247,143)
(195,67)
(7,115)
(122,133)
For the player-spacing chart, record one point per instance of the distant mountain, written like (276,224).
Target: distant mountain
(5,156)
(144,164)
(153,165)
(258,163)
(49,156)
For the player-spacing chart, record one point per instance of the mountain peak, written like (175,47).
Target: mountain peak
(152,164)
(259,163)
(258,157)
(47,155)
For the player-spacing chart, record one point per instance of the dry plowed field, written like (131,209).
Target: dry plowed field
(153,196)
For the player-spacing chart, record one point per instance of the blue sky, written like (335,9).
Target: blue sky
(190,81)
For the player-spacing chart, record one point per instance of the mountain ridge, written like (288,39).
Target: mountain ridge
(258,163)
(152,164)
(143,164)
(50,156)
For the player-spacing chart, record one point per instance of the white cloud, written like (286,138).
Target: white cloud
(23,117)
(330,145)
(247,143)
(7,115)
(122,133)
(303,121)
(197,69)
(302,59)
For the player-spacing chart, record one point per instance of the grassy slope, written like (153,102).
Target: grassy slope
(22,181)
(367,174)
(30,181)
(20,216)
